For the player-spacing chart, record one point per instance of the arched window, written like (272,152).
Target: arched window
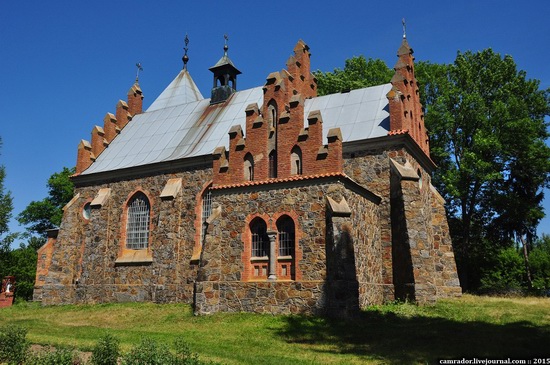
(206,212)
(260,240)
(248,167)
(87,211)
(137,224)
(285,228)
(272,114)
(206,205)
(272,164)
(296,161)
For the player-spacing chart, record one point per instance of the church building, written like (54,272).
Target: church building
(271,199)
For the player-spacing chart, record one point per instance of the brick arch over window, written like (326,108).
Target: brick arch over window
(296,161)
(86,211)
(272,114)
(248,167)
(286,232)
(254,235)
(260,240)
(288,260)
(288,266)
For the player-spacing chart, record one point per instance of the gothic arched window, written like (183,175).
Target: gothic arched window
(137,224)
(273,164)
(285,228)
(260,240)
(248,167)
(296,161)
(272,114)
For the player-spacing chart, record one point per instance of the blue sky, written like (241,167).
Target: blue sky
(64,64)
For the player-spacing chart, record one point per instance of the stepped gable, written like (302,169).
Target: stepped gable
(87,152)
(407,115)
(182,124)
(279,143)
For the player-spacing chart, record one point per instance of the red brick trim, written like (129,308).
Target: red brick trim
(298,234)
(246,236)
(271,222)
(280,180)
(81,211)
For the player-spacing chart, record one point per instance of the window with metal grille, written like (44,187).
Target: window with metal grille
(206,205)
(260,240)
(285,226)
(137,227)
(206,212)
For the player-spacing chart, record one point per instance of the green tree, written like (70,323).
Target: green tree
(6,208)
(21,263)
(540,263)
(358,72)
(504,273)
(487,134)
(39,216)
(6,238)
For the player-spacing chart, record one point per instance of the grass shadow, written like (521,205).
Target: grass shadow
(394,339)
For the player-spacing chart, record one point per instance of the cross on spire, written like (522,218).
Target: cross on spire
(186,48)
(139,68)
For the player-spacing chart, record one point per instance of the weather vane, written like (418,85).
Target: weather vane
(139,68)
(404,28)
(186,48)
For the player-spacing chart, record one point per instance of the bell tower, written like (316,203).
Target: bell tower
(225,77)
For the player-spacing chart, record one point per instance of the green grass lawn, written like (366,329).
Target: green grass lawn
(391,334)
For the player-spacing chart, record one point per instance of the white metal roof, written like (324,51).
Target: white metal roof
(180,123)
(181,90)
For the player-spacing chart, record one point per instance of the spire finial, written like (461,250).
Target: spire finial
(404,28)
(139,68)
(225,47)
(185,58)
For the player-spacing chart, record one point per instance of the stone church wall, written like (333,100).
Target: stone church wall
(83,268)
(425,266)
(220,286)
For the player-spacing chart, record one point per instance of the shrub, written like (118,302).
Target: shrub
(506,275)
(54,357)
(106,351)
(539,259)
(184,356)
(14,346)
(148,352)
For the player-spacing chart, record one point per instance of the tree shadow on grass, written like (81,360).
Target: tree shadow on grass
(399,340)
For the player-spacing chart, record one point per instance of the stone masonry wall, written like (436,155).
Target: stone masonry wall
(220,287)
(434,271)
(83,268)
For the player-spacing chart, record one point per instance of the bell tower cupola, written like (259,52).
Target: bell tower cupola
(225,77)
